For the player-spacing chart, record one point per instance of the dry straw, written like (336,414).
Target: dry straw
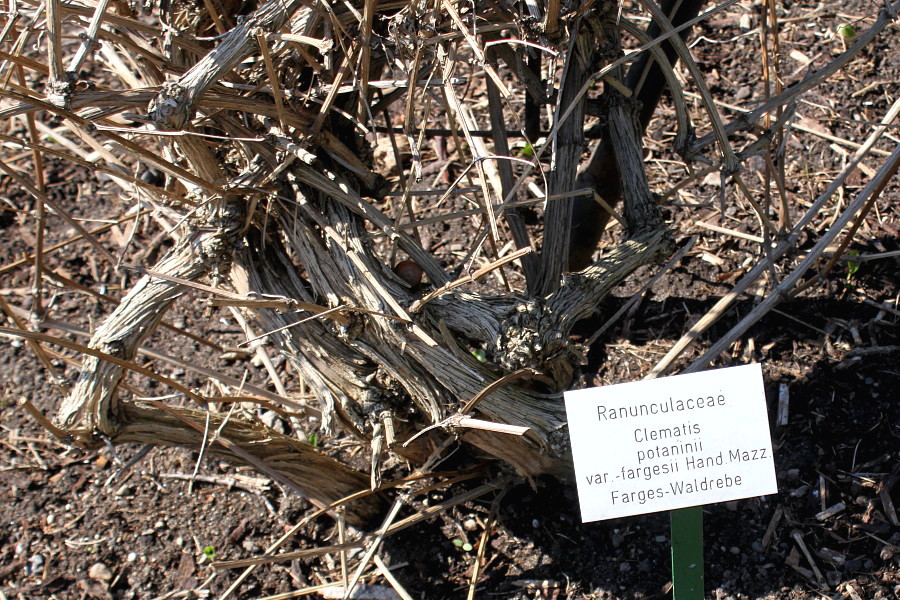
(247,143)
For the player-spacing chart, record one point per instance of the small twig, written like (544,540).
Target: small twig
(640,293)
(60,211)
(389,577)
(126,364)
(814,79)
(327,313)
(729,159)
(860,258)
(848,237)
(482,545)
(229,482)
(190,366)
(58,92)
(731,232)
(89,41)
(770,529)
(799,125)
(442,132)
(527,373)
(871,191)
(138,457)
(784,398)
(476,48)
(342,539)
(783,247)
(830,511)
(306,553)
(373,546)
(799,539)
(885,306)
(461,420)
(58,380)
(38,416)
(474,276)
(204,444)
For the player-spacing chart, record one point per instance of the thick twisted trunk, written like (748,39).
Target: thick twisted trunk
(385,359)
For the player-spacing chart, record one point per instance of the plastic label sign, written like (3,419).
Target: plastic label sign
(670,443)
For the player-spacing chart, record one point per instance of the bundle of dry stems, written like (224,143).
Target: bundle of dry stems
(246,132)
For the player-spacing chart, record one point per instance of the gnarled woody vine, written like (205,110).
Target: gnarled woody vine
(261,128)
(379,367)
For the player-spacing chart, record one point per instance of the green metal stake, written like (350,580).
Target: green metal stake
(686,525)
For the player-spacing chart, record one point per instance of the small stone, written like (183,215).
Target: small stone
(35,564)
(757,163)
(250,546)
(470,525)
(757,547)
(157,178)
(273,421)
(409,272)
(50,518)
(713,179)
(625,567)
(660,539)
(100,572)
(734,550)
(132,556)
(535,523)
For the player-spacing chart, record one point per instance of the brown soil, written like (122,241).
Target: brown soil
(64,511)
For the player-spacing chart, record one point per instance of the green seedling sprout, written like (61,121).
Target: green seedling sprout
(846,31)
(209,552)
(313,440)
(852,265)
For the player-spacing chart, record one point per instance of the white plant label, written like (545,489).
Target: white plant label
(670,443)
